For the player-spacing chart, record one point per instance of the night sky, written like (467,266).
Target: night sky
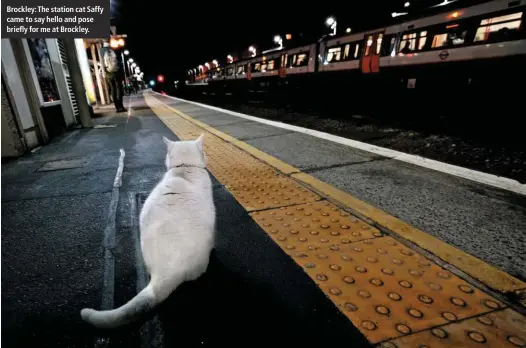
(165,39)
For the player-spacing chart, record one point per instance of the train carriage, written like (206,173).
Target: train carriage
(469,50)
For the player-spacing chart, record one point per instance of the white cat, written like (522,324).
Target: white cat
(177,226)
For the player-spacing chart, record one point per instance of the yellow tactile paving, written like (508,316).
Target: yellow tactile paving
(386,289)
(505,328)
(254,184)
(390,293)
(313,226)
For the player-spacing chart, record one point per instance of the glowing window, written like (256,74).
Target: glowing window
(408,43)
(301,59)
(369,43)
(356,51)
(498,32)
(334,54)
(346,51)
(452,38)
(505,18)
(379,43)
(422,40)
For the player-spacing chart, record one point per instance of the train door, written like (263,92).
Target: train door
(370,62)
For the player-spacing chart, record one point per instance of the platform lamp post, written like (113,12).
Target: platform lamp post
(331,23)
(252,51)
(125,53)
(279,41)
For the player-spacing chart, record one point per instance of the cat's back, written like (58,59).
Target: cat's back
(179,200)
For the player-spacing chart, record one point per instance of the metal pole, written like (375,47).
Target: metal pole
(124,67)
(77,84)
(98,75)
(104,79)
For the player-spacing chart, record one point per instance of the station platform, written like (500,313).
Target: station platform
(319,244)
(321,203)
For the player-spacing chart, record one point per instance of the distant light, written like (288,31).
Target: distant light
(160,78)
(126,52)
(215,62)
(133,65)
(207,65)
(348,30)
(330,21)
(407,4)
(454,15)
(288,36)
(445,2)
(130,60)
(152,83)
(396,14)
(277,39)
(229,58)
(252,50)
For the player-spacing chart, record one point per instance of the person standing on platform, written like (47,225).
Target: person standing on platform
(115,76)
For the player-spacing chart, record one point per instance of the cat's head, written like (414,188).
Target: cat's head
(185,153)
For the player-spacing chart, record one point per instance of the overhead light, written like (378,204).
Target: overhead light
(455,14)
(397,14)
(407,4)
(331,23)
(288,36)
(348,30)
(445,2)
(126,52)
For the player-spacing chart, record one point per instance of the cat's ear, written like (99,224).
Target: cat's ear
(199,141)
(167,142)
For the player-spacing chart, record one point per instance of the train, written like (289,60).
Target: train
(466,56)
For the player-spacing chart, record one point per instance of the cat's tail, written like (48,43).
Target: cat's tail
(140,305)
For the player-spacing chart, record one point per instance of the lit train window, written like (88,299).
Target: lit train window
(499,28)
(302,59)
(422,40)
(505,18)
(379,43)
(407,44)
(241,70)
(346,51)
(334,54)
(356,51)
(368,45)
(270,65)
(452,37)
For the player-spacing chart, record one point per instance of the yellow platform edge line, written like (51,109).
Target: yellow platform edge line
(490,276)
